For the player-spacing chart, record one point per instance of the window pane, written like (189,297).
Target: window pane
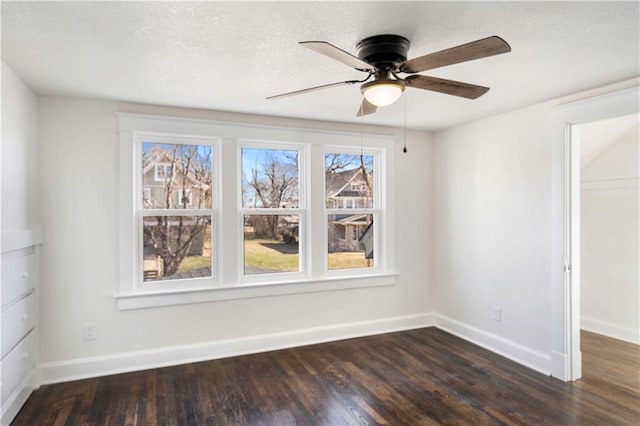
(350,241)
(176,247)
(269,178)
(348,181)
(176,176)
(271,244)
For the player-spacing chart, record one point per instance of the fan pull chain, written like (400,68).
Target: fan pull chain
(361,130)
(404,148)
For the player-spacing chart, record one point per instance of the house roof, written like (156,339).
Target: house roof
(336,181)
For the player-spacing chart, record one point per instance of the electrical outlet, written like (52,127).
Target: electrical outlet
(497,313)
(89,331)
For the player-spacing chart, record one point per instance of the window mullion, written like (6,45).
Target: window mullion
(317,226)
(271,211)
(178,212)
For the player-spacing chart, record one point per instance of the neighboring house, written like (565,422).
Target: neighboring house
(350,189)
(166,185)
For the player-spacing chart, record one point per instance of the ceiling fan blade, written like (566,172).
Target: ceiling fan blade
(366,108)
(338,54)
(449,87)
(313,89)
(482,48)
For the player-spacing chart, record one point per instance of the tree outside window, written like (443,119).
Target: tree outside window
(176,211)
(271,210)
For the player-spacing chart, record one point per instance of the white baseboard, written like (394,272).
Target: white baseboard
(55,372)
(560,366)
(531,358)
(16,400)
(610,330)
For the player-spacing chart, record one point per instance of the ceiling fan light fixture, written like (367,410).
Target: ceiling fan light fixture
(382,92)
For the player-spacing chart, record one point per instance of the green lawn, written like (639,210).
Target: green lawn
(278,256)
(347,260)
(271,255)
(190,263)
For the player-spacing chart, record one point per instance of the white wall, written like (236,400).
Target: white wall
(19,153)
(500,200)
(493,225)
(610,219)
(618,161)
(78,142)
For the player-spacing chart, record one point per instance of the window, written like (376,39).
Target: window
(271,209)
(185,197)
(358,187)
(351,209)
(162,172)
(212,211)
(176,232)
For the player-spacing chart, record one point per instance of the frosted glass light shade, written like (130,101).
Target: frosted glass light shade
(382,93)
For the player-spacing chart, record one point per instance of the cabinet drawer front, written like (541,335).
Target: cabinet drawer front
(17,363)
(17,321)
(18,276)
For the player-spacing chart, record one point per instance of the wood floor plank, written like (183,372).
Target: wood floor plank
(416,377)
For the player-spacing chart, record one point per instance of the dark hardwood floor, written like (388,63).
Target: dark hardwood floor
(417,377)
(611,366)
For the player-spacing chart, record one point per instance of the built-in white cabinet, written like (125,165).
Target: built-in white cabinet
(18,314)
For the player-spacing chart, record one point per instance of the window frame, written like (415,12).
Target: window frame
(229,282)
(376,210)
(141,212)
(300,211)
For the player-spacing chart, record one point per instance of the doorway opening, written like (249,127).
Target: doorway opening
(605,228)
(609,176)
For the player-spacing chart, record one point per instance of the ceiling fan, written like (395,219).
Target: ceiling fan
(384,57)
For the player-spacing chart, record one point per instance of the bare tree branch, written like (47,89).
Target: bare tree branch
(275,184)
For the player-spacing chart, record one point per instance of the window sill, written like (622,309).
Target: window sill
(148,299)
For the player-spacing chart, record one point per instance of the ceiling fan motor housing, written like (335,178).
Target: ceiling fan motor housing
(383,51)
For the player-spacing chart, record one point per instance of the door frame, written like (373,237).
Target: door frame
(566,354)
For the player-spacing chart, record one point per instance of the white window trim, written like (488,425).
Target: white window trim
(301,211)
(140,212)
(228,283)
(252,290)
(380,229)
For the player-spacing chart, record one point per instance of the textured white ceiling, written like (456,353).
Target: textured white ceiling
(231,55)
